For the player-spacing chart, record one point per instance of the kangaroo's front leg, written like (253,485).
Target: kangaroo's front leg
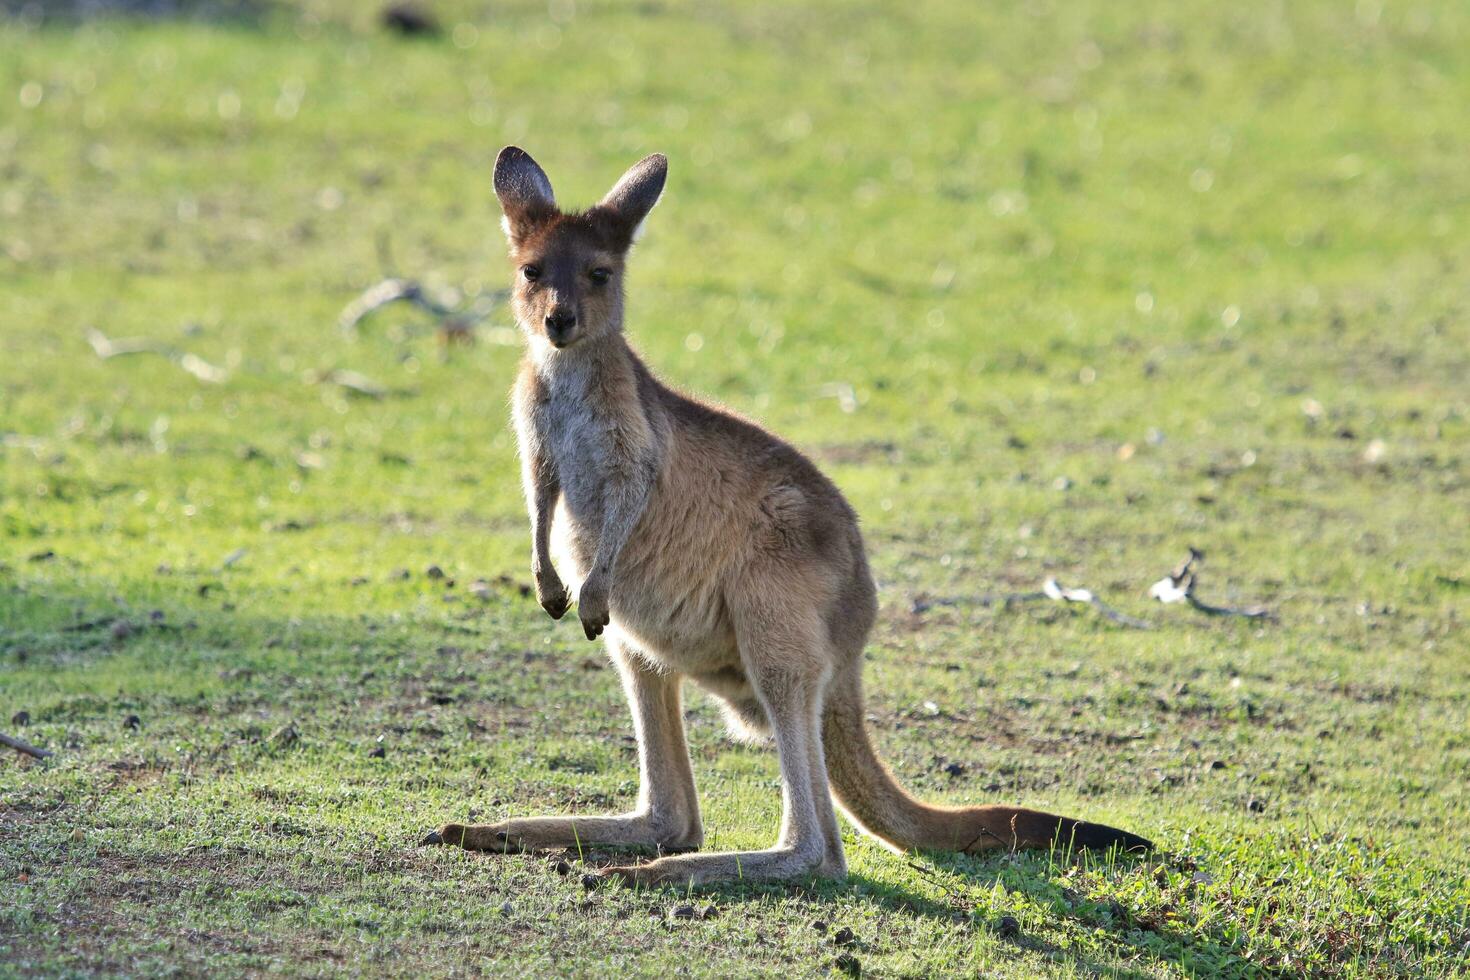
(625,496)
(667,816)
(539,478)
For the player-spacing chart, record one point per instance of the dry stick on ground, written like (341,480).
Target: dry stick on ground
(1178,586)
(1050,589)
(1054,590)
(107,348)
(1254,612)
(923,604)
(454,323)
(379,295)
(351,381)
(25,747)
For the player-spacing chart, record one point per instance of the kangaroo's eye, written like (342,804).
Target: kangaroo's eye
(531,272)
(600,275)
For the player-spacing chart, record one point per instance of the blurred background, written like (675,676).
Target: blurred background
(1053,290)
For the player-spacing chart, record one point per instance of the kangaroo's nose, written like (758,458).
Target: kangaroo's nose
(560,321)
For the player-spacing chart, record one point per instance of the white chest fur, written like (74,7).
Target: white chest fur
(573,432)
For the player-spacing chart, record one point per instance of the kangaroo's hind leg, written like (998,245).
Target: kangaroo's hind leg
(785,657)
(666,818)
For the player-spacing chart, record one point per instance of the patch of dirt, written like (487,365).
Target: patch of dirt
(1364,692)
(135,772)
(89,924)
(860,453)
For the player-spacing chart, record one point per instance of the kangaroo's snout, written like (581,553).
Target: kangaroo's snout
(561,322)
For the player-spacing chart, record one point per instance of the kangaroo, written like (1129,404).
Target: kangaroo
(703,547)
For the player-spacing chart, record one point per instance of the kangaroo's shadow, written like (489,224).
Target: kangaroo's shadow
(959,881)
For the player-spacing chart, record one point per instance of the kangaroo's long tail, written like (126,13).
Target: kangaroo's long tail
(869,793)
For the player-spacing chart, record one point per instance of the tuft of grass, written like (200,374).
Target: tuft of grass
(1051,292)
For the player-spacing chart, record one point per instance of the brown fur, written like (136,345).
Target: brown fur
(705,548)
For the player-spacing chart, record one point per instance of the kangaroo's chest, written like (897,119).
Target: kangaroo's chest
(577,436)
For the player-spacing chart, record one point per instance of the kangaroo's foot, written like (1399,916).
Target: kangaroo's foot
(551,833)
(732,867)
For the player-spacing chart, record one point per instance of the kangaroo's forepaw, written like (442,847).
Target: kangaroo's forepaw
(592,607)
(550,591)
(556,602)
(594,625)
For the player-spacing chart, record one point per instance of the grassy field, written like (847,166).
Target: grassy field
(1059,290)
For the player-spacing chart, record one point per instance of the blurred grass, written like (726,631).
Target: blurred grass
(1105,281)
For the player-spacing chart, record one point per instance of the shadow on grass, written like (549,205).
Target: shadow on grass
(971,877)
(249,13)
(194,660)
(1030,878)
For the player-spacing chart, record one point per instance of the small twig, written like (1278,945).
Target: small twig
(201,368)
(1122,619)
(454,324)
(1178,586)
(392,290)
(357,384)
(934,879)
(923,604)
(1054,590)
(1253,612)
(986,830)
(20,440)
(373,299)
(926,872)
(26,747)
(107,348)
(1050,589)
(845,394)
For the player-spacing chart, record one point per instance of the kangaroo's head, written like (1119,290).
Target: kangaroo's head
(568,285)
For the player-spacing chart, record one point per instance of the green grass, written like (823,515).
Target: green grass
(1234,239)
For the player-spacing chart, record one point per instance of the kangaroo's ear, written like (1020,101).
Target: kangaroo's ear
(524,192)
(630,200)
